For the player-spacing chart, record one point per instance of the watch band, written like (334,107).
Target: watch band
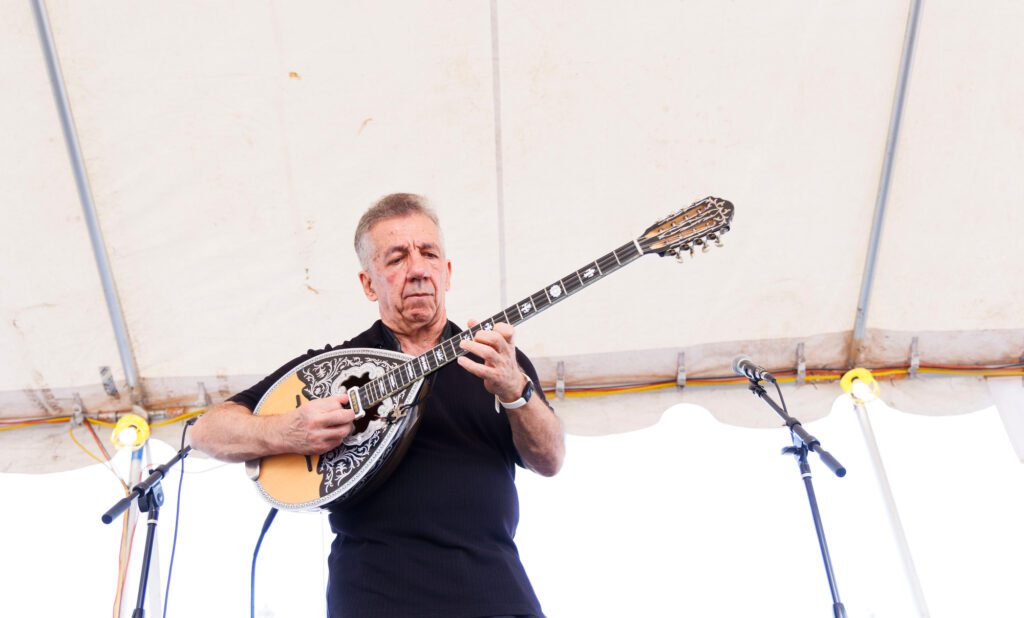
(523,398)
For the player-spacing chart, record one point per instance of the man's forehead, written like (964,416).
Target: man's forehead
(404,246)
(398,233)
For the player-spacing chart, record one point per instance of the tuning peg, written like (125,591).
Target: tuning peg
(717,238)
(679,256)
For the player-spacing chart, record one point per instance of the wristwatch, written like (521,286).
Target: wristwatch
(518,403)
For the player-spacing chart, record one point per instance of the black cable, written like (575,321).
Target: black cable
(782,400)
(252,581)
(177,514)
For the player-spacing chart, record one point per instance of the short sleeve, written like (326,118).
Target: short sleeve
(251,396)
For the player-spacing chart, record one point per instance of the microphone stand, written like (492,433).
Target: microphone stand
(150,495)
(803,442)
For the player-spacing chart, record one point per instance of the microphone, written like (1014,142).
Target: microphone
(743,366)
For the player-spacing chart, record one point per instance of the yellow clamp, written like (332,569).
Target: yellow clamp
(864,376)
(131,431)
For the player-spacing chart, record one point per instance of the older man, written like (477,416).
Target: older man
(435,540)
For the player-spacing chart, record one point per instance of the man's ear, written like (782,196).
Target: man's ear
(367,283)
(448,282)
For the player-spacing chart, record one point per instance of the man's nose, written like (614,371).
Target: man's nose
(417,266)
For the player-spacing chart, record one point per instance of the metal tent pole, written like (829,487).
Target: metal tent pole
(849,383)
(890,506)
(134,476)
(884,181)
(99,249)
(499,165)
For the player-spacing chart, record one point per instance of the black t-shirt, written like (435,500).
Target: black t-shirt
(436,539)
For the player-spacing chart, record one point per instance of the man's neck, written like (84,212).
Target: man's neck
(417,339)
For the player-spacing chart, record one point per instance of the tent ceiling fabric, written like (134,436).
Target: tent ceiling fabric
(229,165)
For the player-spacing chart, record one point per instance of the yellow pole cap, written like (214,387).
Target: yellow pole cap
(864,376)
(131,431)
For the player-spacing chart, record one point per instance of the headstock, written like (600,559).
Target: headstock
(684,230)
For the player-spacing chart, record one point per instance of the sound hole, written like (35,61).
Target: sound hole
(371,412)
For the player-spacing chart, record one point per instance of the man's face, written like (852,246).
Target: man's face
(408,273)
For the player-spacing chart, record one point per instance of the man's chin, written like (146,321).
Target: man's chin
(420,313)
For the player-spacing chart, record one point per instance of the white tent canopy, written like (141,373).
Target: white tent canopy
(229,149)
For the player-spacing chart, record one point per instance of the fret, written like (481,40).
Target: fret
(631,245)
(598,266)
(589,273)
(574,285)
(457,339)
(557,290)
(526,307)
(578,276)
(616,255)
(540,303)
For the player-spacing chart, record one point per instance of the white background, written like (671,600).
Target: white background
(689,517)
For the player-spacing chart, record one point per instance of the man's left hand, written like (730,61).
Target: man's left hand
(499,370)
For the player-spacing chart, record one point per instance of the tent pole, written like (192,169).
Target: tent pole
(884,182)
(134,476)
(99,249)
(890,506)
(499,166)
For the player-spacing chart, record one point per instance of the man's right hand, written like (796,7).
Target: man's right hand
(230,432)
(316,426)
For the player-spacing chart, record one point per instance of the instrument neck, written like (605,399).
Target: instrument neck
(449,349)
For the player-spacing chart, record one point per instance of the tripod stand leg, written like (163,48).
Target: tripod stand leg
(800,452)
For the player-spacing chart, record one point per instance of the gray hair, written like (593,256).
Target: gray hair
(391,206)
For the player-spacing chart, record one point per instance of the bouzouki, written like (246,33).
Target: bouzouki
(384,387)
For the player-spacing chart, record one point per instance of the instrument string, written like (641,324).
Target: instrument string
(696,223)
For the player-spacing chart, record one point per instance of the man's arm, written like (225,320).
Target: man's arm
(536,430)
(537,433)
(230,432)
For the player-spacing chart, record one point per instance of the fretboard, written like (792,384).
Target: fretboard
(378,389)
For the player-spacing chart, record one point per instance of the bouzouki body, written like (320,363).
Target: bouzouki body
(380,436)
(384,387)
